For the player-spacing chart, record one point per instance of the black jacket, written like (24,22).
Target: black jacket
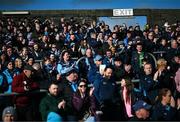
(163,113)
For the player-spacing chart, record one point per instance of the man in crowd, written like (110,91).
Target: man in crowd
(52,102)
(142,111)
(44,34)
(69,86)
(148,86)
(86,63)
(9,114)
(24,85)
(137,59)
(107,95)
(94,73)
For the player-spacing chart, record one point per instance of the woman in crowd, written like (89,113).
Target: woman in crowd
(65,63)
(24,54)
(9,73)
(83,47)
(30,61)
(164,109)
(84,102)
(18,65)
(49,69)
(163,75)
(3,60)
(129,96)
(177,80)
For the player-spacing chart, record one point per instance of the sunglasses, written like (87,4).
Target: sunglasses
(82,86)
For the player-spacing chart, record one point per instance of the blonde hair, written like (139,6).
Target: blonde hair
(16,63)
(161,63)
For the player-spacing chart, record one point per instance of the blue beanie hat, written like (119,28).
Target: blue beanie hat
(54,117)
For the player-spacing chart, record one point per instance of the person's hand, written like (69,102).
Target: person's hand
(172,102)
(159,72)
(58,76)
(24,41)
(101,71)
(178,104)
(62,104)
(155,40)
(156,76)
(73,65)
(26,87)
(91,91)
(130,43)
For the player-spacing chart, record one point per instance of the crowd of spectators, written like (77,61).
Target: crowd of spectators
(79,64)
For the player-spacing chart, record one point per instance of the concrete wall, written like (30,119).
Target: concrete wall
(154,16)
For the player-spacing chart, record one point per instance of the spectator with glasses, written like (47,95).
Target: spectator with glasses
(84,102)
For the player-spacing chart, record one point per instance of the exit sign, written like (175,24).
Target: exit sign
(122,12)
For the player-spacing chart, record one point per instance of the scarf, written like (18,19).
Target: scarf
(127,102)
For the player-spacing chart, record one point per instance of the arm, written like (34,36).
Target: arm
(96,90)
(44,110)
(3,84)
(34,86)
(47,106)
(177,80)
(77,102)
(59,68)
(156,113)
(17,85)
(92,104)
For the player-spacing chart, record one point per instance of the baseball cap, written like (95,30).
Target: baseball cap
(70,70)
(28,67)
(141,104)
(97,58)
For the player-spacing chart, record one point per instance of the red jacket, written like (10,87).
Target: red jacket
(18,87)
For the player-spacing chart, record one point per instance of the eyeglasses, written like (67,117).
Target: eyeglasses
(82,86)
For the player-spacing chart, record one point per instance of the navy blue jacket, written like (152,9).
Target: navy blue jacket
(106,91)
(93,73)
(107,62)
(149,87)
(163,113)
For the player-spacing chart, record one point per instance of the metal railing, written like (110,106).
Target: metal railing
(44,90)
(31,92)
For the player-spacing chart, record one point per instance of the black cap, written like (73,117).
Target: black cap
(28,67)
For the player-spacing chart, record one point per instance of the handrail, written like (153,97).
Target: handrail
(119,82)
(44,90)
(157,52)
(15,93)
(154,58)
(133,81)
